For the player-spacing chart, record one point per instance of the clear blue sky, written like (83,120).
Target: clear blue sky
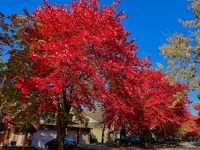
(147,20)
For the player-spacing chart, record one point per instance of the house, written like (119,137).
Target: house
(95,119)
(78,132)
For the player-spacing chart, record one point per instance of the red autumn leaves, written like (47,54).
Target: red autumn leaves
(83,54)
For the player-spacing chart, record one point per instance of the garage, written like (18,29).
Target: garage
(41,137)
(72,135)
(83,138)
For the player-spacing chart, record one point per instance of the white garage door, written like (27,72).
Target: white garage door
(72,135)
(83,138)
(41,137)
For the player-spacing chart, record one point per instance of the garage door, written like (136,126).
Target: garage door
(83,138)
(72,135)
(41,137)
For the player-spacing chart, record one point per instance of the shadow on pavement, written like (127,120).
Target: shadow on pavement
(166,146)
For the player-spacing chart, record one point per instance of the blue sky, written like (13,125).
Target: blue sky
(147,21)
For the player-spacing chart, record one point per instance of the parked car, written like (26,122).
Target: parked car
(135,137)
(169,138)
(177,138)
(126,140)
(69,144)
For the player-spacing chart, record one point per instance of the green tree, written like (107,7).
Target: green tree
(182,53)
(27,129)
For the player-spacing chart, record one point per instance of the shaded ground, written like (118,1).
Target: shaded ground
(168,146)
(186,146)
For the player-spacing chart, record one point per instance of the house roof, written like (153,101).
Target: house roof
(95,115)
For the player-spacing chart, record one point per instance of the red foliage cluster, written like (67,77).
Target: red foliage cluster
(193,128)
(77,53)
(83,54)
(147,100)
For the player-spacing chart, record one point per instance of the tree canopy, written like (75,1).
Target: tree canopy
(182,52)
(64,58)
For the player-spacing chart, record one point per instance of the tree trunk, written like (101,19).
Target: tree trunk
(120,136)
(173,138)
(61,135)
(102,140)
(63,124)
(4,82)
(25,140)
(142,142)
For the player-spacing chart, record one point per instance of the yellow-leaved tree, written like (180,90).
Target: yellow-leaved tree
(182,53)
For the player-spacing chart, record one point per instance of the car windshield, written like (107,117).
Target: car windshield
(54,140)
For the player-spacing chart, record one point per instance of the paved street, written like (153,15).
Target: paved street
(101,147)
(186,146)
(180,146)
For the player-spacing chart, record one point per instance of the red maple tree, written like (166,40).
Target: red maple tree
(147,99)
(74,58)
(75,55)
(193,128)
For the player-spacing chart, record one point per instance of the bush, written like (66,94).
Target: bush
(93,138)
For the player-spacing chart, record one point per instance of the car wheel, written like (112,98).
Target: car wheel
(129,143)
(56,148)
(117,141)
(47,146)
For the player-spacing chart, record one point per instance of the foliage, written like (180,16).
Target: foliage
(183,130)
(63,58)
(28,129)
(196,106)
(193,128)
(93,138)
(2,125)
(150,100)
(182,52)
